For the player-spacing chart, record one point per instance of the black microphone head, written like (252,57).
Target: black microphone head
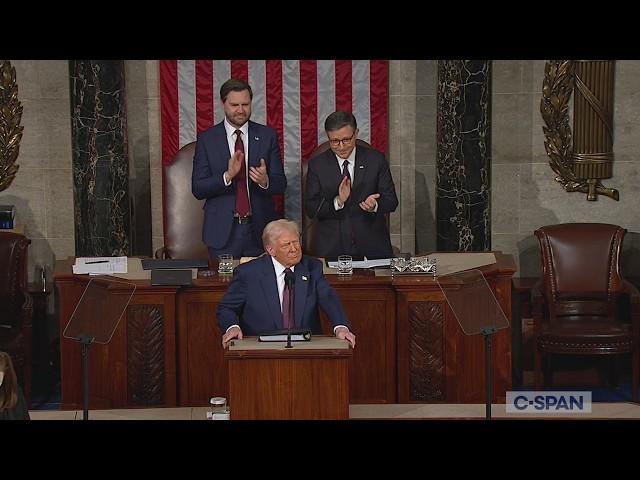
(289,279)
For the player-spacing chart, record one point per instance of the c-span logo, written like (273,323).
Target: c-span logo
(548,402)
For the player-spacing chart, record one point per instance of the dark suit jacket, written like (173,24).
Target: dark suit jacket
(252,299)
(335,228)
(211,161)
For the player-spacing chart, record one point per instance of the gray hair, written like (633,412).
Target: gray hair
(274,228)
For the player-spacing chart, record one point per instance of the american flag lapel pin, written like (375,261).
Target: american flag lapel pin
(361,166)
(304,278)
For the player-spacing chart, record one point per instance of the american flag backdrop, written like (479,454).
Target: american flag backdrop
(292,96)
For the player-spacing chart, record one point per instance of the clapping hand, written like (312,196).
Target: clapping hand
(259,174)
(344,190)
(236,162)
(370,203)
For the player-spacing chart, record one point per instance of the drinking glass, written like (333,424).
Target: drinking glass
(345,265)
(225,267)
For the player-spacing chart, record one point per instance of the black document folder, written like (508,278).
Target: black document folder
(170,277)
(297,335)
(153,263)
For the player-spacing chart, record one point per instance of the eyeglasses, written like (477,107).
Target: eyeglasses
(344,141)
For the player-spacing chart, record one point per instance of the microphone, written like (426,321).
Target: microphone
(289,280)
(313,219)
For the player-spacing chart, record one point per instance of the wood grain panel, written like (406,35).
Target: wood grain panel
(203,369)
(289,388)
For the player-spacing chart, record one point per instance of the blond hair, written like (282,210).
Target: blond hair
(8,389)
(274,228)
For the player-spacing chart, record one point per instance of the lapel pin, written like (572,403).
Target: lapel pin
(257,138)
(361,166)
(304,278)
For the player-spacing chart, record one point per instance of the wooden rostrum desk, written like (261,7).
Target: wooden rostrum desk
(166,350)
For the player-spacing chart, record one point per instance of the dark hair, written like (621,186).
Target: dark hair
(8,389)
(340,119)
(234,85)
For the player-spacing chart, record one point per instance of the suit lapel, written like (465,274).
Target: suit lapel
(270,291)
(253,140)
(221,138)
(359,170)
(333,169)
(300,293)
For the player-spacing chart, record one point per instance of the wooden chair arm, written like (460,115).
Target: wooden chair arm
(538,306)
(634,301)
(26,310)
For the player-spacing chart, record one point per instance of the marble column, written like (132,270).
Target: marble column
(463,191)
(100,160)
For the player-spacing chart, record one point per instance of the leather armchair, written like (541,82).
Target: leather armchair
(581,304)
(183,214)
(16,308)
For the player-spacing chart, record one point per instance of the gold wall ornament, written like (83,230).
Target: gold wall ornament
(10,128)
(581,167)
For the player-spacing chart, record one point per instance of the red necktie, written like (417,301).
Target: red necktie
(242,196)
(286,295)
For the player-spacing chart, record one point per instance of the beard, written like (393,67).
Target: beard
(238,119)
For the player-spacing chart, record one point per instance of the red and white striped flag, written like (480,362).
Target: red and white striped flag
(292,96)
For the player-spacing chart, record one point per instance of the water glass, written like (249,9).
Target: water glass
(219,409)
(345,265)
(225,267)
(398,264)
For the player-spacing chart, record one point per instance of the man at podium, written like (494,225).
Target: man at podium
(257,300)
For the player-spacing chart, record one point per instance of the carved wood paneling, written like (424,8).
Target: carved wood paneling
(426,351)
(145,355)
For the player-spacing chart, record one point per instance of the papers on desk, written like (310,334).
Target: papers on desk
(381,262)
(100,265)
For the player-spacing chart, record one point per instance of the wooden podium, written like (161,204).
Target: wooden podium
(307,382)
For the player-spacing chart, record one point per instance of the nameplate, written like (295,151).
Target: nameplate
(171,277)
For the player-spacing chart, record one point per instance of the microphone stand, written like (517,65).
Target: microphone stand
(86,342)
(288,281)
(313,219)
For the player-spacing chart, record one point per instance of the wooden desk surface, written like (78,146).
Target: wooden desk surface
(505,264)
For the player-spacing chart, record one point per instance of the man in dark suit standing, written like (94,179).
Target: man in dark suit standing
(349,189)
(255,301)
(238,193)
